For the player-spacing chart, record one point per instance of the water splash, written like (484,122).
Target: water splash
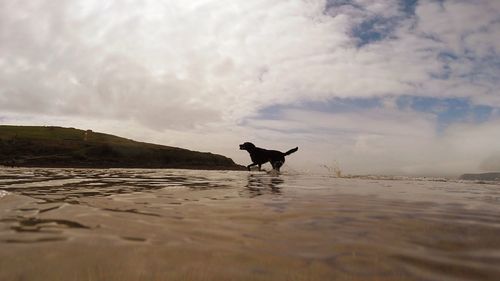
(3,193)
(333,169)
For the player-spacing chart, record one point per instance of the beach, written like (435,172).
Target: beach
(136,224)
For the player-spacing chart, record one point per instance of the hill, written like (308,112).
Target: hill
(34,146)
(481,177)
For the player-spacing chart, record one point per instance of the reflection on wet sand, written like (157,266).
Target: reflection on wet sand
(211,225)
(258,185)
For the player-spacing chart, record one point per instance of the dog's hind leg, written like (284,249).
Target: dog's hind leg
(277,165)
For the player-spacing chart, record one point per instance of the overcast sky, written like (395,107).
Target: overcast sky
(371,86)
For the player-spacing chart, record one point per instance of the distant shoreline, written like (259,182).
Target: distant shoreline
(492,176)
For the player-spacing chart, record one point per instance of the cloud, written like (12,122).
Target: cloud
(383,140)
(491,163)
(179,71)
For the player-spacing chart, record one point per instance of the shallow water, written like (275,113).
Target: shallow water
(63,224)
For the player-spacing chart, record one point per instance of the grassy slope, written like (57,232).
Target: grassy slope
(481,177)
(67,147)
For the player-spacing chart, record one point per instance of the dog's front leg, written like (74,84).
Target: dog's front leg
(253,164)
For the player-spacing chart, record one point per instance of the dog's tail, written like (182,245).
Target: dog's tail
(291,151)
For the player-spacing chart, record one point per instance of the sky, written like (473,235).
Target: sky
(406,87)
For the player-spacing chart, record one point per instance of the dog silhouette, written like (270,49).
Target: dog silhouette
(260,156)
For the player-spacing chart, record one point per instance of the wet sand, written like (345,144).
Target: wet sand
(63,224)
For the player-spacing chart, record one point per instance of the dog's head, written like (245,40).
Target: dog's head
(247,146)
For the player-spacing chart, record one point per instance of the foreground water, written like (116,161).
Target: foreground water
(210,225)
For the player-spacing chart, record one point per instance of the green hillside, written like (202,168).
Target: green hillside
(33,146)
(481,177)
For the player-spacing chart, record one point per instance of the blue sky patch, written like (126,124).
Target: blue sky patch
(409,6)
(447,110)
(373,30)
(377,28)
(336,105)
(332,4)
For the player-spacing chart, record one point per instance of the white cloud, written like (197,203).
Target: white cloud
(384,142)
(178,71)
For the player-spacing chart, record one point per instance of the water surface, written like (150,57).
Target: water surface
(124,224)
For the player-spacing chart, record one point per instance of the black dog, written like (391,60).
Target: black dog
(260,156)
